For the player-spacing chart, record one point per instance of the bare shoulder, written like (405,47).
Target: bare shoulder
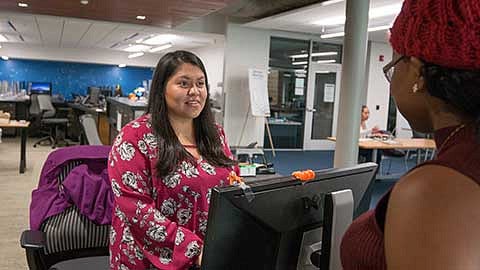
(433,221)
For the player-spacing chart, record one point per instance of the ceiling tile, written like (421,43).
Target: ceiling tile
(50,30)
(73,31)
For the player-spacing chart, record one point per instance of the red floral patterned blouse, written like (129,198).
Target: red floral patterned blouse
(157,223)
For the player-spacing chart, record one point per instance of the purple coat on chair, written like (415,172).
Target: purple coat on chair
(86,186)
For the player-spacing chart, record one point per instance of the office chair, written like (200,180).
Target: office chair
(388,155)
(68,240)
(43,110)
(90,131)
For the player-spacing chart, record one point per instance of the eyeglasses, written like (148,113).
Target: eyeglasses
(389,68)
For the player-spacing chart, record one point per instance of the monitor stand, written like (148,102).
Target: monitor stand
(321,246)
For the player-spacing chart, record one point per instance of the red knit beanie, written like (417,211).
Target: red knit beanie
(442,32)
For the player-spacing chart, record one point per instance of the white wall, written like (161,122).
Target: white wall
(100,56)
(245,48)
(213,58)
(378,91)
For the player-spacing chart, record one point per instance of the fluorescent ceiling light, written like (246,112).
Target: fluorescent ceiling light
(0,46)
(137,48)
(379,28)
(4,57)
(305,55)
(326,61)
(302,71)
(160,39)
(122,65)
(133,55)
(3,38)
(370,29)
(84,2)
(331,2)
(373,14)
(332,35)
(324,54)
(141,17)
(24,5)
(299,63)
(161,47)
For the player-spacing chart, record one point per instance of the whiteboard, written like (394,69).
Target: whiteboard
(257,86)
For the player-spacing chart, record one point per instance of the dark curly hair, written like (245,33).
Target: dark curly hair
(458,88)
(170,150)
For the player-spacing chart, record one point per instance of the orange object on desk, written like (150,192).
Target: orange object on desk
(304,175)
(233,178)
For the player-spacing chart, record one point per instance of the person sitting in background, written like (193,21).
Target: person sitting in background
(365,131)
(163,166)
(430,219)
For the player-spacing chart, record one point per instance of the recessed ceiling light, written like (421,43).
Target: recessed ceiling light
(370,29)
(4,57)
(84,2)
(160,39)
(0,46)
(133,55)
(122,65)
(137,48)
(23,5)
(161,47)
(326,61)
(141,17)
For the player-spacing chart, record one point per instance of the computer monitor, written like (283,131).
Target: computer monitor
(94,93)
(41,88)
(267,232)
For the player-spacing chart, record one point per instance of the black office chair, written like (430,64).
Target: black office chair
(68,240)
(43,110)
(90,131)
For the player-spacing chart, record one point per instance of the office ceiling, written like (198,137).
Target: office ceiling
(326,18)
(63,32)
(163,13)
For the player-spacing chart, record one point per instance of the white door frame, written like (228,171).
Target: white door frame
(313,69)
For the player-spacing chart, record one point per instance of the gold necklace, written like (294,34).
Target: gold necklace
(449,137)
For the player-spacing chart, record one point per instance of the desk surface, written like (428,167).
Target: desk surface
(15,124)
(398,143)
(14,99)
(86,108)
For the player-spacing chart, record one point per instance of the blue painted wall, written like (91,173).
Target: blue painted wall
(69,77)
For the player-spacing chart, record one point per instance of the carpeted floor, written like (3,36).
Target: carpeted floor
(15,190)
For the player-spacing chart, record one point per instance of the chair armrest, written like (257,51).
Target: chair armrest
(31,239)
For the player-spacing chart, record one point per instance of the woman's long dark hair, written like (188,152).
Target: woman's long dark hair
(457,87)
(170,150)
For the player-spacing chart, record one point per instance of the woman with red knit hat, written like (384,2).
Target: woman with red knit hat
(431,218)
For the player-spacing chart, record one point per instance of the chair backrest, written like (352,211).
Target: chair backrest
(42,104)
(90,129)
(70,234)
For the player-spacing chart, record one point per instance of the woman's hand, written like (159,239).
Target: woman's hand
(199,259)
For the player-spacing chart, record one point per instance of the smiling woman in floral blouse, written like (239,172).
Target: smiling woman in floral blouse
(163,167)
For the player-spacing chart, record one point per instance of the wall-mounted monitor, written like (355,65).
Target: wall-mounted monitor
(41,88)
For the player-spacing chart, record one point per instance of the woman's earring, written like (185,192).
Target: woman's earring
(415,88)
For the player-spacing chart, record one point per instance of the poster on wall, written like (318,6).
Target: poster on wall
(299,86)
(329,93)
(257,86)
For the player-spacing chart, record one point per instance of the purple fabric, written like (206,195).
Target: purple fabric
(86,186)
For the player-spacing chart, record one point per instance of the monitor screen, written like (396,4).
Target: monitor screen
(267,232)
(41,88)
(94,93)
